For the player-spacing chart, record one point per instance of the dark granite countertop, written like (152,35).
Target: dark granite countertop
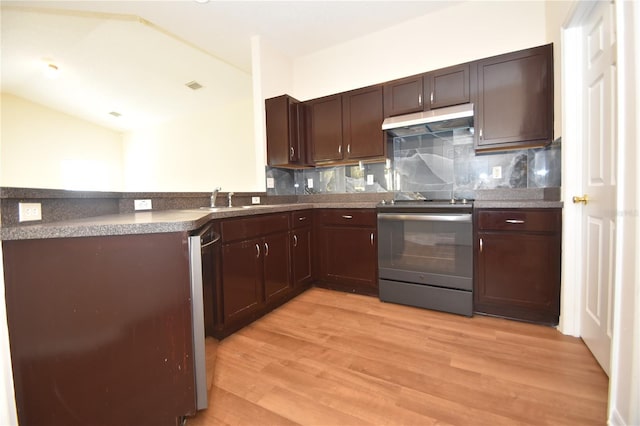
(517,204)
(150,222)
(186,220)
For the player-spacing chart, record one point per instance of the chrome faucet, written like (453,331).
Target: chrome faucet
(214,194)
(229,197)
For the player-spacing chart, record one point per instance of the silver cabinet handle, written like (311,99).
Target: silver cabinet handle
(301,218)
(266,249)
(257,251)
(481,133)
(372,238)
(420,99)
(295,241)
(514,221)
(431,96)
(348,148)
(480,245)
(291,152)
(347,216)
(339,149)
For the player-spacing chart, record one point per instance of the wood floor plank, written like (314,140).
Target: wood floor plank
(331,358)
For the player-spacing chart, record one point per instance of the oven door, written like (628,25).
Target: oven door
(426,248)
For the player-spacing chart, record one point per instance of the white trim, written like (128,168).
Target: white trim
(624,388)
(616,419)
(572,263)
(8,413)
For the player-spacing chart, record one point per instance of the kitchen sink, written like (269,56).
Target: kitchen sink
(225,208)
(215,209)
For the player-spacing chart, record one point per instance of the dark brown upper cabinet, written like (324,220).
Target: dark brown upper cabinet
(436,89)
(347,127)
(325,128)
(403,96)
(446,87)
(362,116)
(285,132)
(514,108)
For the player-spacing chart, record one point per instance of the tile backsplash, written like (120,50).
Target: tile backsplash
(440,165)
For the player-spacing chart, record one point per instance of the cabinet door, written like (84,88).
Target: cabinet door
(403,96)
(447,87)
(362,118)
(241,279)
(515,100)
(276,265)
(285,141)
(325,128)
(301,243)
(94,320)
(519,276)
(349,255)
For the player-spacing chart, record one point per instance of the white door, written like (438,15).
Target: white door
(598,181)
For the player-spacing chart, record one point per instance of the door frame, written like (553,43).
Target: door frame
(572,159)
(624,397)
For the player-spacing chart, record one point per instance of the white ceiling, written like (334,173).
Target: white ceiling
(121,63)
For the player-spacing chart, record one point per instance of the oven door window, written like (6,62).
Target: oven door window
(427,248)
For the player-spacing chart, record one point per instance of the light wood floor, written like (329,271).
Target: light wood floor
(331,358)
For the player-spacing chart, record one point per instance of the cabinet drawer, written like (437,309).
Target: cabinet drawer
(348,217)
(254,226)
(542,220)
(301,218)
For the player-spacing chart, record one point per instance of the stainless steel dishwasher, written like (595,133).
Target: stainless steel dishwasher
(201,244)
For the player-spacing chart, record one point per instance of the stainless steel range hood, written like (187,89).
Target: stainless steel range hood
(433,121)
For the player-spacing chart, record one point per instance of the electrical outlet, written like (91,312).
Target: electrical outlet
(369,179)
(271,183)
(29,211)
(255,200)
(142,204)
(310,183)
(497,172)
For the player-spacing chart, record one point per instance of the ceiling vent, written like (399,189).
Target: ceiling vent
(194,85)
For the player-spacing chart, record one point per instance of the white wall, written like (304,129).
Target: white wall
(8,415)
(43,148)
(556,13)
(460,33)
(195,153)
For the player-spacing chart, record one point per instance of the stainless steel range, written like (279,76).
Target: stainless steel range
(425,254)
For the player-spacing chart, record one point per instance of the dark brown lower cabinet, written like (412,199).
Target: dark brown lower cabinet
(242,290)
(255,270)
(276,266)
(100,329)
(518,264)
(302,248)
(347,246)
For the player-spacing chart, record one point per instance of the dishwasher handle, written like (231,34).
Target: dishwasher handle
(207,236)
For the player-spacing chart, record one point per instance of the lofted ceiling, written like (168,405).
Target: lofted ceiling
(135,57)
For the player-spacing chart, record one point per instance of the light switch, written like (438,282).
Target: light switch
(369,179)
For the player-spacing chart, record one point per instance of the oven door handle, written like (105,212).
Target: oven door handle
(426,217)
